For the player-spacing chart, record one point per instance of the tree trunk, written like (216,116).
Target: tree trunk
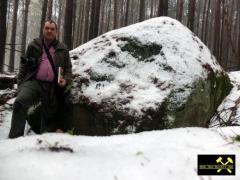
(49,9)
(191,13)
(197,29)
(225,38)
(102,17)
(163,8)
(155,8)
(142,10)
(82,22)
(238,32)
(43,18)
(93,4)
(211,29)
(24,30)
(179,12)
(74,29)
(132,12)
(97,17)
(229,39)
(122,17)
(127,13)
(68,22)
(78,22)
(86,22)
(222,33)
(203,19)
(105,20)
(206,23)
(115,11)
(95,13)
(109,15)
(217,29)
(152,9)
(160,8)
(59,18)
(13,37)
(3,32)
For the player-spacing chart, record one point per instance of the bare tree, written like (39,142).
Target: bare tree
(142,10)
(238,35)
(93,7)
(191,14)
(3,32)
(127,13)
(24,30)
(152,8)
(49,9)
(74,15)
(13,37)
(59,17)
(96,18)
(179,10)
(95,14)
(222,32)
(217,25)
(198,17)
(68,22)
(229,34)
(43,17)
(122,9)
(203,18)
(206,22)
(109,14)
(115,21)
(102,17)
(79,23)
(163,8)
(82,21)
(86,23)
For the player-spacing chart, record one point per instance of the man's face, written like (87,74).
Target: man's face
(49,31)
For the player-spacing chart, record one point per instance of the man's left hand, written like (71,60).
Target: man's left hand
(62,82)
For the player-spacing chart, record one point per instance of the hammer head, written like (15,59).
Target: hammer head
(219,159)
(230,160)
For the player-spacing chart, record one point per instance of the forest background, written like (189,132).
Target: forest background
(215,22)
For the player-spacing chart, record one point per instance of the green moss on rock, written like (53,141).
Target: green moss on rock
(205,97)
(139,50)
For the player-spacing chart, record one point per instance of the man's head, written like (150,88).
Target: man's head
(49,30)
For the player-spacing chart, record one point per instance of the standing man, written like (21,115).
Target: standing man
(38,79)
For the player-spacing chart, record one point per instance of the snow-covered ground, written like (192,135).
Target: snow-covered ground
(168,154)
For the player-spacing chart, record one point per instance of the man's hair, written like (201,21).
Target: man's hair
(51,21)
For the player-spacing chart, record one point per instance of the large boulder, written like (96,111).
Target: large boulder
(151,75)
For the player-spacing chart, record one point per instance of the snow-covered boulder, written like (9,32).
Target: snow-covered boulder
(151,75)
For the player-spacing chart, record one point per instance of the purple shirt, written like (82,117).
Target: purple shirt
(44,71)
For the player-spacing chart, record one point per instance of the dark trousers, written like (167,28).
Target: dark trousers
(30,93)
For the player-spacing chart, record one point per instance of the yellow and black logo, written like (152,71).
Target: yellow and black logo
(216,164)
